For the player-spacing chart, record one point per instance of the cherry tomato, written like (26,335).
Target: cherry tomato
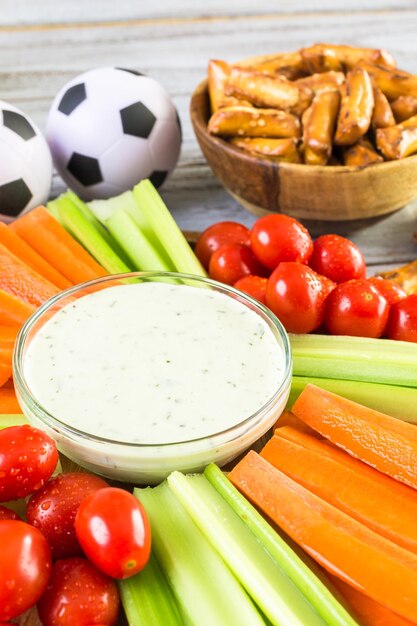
(402,321)
(276,238)
(337,258)
(254,286)
(233,261)
(391,291)
(52,509)
(356,308)
(78,595)
(296,294)
(216,235)
(6,513)
(25,566)
(113,530)
(28,458)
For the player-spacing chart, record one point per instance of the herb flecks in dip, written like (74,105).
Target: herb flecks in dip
(154,363)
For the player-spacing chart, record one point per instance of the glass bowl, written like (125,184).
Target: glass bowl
(149,463)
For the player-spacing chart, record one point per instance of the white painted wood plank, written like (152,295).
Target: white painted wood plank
(27,12)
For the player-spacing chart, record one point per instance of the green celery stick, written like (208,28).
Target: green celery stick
(105,209)
(271,589)
(355,358)
(52,207)
(316,592)
(81,228)
(399,402)
(165,229)
(102,230)
(12,420)
(141,253)
(206,591)
(147,598)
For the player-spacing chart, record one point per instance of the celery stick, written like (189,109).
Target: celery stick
(52,207)
(269,586)
(102,230)
(105,209)
(12,420)
(307,582)
(399,402)
(355,358)
(81,228)
(165,229)
(137,247)
(147,598)
(206,591)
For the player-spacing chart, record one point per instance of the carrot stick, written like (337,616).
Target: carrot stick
(15,244)
(386,443)
(46,235)
(369,612)
(287,418)
(13,310)
(346,548)
(22,281)
(5,373)
(384,505)
(8,384)
(8,402)
(8,335)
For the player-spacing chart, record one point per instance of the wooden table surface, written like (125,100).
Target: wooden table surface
(45,43)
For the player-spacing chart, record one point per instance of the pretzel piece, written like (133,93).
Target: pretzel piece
(397,142)
(355,109)
(251,122)
(361,154)
(403,108)
(267,91)
(276,149)
(319,123)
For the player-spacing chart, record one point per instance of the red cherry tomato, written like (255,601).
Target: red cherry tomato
(276,238)
(391,291)
(78,595)
(402,321)
(25,566)
(113,530)
(216,235)
(28,458)
(52,509)
(356,308)
(6,513)
(254,286)
(233,261)
(337,258)
(296,294)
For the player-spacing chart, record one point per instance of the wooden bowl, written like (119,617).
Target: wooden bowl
(333,193)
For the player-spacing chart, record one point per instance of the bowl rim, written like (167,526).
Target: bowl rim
(234,151)
(63,428)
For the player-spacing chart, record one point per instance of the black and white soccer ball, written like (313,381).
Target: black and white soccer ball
(109,128)
(25,163)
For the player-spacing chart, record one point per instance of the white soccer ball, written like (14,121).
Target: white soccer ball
(109,128)
(25,163)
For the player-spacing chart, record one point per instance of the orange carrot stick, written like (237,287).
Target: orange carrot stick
(8,402)
(18,246)
(22,281)
(346,548)
(386,443)
(13,310)
(8,384)
(374,499)
(45,235)
(5,373)
(8,335)
(287,418)
(369,612)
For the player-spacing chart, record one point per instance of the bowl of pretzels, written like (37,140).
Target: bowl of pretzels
(326,132)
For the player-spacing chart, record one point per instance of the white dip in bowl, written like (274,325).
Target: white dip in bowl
(139,377)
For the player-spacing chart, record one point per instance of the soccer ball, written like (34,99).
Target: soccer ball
(25,163)
(109,128)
